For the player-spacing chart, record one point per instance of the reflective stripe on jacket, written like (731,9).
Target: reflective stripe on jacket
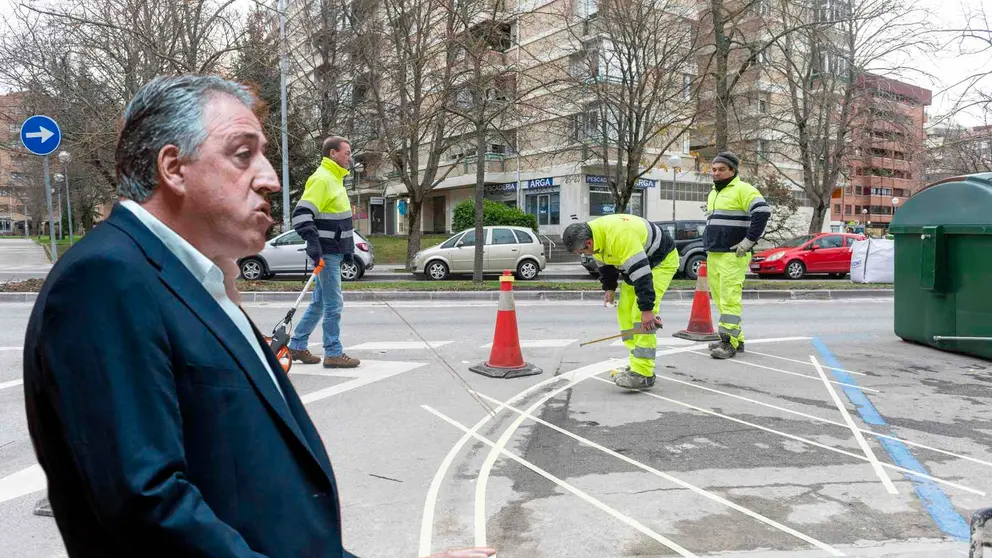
(629,245)
(734,212)
(324,211)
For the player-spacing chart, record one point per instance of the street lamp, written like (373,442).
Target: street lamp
(58,190)
(675,162)
(65,158)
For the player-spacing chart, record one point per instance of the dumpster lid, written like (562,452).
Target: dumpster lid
(963,202)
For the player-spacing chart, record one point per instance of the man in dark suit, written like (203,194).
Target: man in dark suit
(164,424)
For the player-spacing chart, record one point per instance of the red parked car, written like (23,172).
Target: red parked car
(812,253)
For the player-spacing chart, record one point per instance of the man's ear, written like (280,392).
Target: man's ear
(170,173)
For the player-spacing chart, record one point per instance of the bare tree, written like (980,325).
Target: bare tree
(834,66)
(633,80)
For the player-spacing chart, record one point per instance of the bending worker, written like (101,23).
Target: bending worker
(647,259)
(736,219)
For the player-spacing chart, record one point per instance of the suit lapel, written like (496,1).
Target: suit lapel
(194,296)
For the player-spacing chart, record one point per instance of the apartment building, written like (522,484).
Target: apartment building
(888,157)
(13,167)
(954,150)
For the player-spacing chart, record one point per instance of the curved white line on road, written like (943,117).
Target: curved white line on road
(581,494)
(674,480)
(430,502)
(487,467)
(780,371)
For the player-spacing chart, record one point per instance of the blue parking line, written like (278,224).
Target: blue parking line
(934,500)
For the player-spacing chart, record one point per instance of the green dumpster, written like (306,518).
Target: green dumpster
(943,266)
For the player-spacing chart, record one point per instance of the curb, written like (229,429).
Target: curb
(492,296)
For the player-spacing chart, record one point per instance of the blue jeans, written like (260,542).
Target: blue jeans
(327,302)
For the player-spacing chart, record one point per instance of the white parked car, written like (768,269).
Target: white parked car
(514,248)
(286,254)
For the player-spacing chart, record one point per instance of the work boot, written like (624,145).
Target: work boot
(620,370)
(633,381)
(723,349)
(43,508)
(715,344)
(343,361)
(303,356)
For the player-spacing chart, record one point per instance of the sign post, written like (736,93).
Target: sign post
(42,136)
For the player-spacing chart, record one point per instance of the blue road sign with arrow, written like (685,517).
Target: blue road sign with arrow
(40,135)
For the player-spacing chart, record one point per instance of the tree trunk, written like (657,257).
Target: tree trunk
(722,92)
(413,211)
(819,213)
(480,195)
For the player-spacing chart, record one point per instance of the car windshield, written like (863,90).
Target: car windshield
(795,242)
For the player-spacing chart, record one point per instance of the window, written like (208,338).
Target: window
(450,243)
(686,86)
(586,8)
(847,210)
(689,230)
(289,238)
(837,208)
(857,209)
(685,191)
(504,236)
(831,241)
(524,238)
(546,207)
(601,202)
(498,148)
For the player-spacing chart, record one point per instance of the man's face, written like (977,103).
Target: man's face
(228,183)
(585,249)
(342,156)
(720,171)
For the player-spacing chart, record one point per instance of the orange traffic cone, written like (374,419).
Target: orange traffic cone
(700,320)
(505,359)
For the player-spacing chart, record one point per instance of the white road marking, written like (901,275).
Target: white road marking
(823,420)
(23,482)
(10,384)
(805,440)
(616,514)
(663,475)
(882,475)
(814,378)
(369,372)
(427,519)
(538,343)
(482,480)
(806,363)
(396,345)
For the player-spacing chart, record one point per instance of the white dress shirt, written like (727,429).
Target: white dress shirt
(206,272)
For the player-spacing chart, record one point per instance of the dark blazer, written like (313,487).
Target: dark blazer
(160,431)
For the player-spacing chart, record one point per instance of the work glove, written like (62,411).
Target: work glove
(348,258)
(314,251)
(743,247)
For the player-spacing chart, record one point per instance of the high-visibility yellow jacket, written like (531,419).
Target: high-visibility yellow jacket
(734,211)
(324,211)
(629,245)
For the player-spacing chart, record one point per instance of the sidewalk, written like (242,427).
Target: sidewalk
(20,258)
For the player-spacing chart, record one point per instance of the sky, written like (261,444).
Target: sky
(946,68)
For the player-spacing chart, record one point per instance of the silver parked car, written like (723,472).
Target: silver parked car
(515,248)
(286,254)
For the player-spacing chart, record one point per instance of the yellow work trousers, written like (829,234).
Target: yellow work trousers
(640,344)
(726,272)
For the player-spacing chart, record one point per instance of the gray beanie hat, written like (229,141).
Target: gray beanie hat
(727,158)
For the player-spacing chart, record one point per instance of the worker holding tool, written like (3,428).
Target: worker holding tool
(323,219)
(645,257)
(736,219)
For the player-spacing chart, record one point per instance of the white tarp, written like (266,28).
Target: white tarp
(873,261)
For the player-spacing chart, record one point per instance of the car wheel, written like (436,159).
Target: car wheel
(527,270)
(795,270)
(436,270)
(352,272)
(252,269)
(692,266)
(838,275)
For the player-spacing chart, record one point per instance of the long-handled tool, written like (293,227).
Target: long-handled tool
(657,320)
(279,341)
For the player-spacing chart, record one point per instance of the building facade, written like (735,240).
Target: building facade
(888,154)
(13,167)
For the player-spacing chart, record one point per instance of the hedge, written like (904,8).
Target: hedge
(493,213)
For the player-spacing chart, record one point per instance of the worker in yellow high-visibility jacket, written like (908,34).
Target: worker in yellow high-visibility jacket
(736,219)
(646,257)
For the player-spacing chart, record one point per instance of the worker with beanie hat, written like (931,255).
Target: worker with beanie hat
(736,219)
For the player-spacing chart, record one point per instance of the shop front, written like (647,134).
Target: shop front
(601,198)
(543,200)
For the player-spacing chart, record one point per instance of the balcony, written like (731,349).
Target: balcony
(889,163)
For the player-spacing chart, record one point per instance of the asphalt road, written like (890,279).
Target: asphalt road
(750,457)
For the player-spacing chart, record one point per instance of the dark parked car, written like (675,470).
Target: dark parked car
(688,240)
